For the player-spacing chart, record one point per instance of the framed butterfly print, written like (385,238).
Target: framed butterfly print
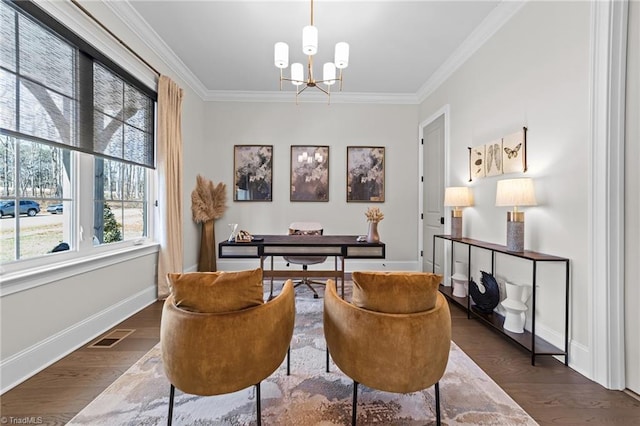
(514,152)
(501,156)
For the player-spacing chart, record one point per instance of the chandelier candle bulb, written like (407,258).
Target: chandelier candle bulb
(297,74)
(309,40)
(281,55)
(342,55)
(329,73)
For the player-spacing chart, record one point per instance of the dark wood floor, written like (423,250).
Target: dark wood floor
(550,392)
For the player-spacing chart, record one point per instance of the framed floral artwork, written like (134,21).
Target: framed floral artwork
(365,174)
(253,172)
(309,173)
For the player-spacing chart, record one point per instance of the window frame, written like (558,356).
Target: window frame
(82,164)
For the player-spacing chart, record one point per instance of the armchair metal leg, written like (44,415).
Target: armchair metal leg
(172,393)
(327,351)
(289,361)
(438,403)
(354,404)
(258,408)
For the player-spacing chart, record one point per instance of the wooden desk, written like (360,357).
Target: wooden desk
(338,246)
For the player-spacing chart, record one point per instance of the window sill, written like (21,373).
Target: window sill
(15,282)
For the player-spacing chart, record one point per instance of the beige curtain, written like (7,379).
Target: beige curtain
(169,181)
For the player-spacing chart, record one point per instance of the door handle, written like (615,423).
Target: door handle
(442,220)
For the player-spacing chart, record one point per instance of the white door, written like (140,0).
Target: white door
(433,193)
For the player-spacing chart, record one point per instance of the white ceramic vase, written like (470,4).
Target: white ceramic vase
(515,307)
(459,279)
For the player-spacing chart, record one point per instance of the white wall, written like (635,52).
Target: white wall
(338,126)
(67,309)
(534,72)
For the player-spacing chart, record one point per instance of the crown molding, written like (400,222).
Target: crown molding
(311,97)
(136,23)
(500,15)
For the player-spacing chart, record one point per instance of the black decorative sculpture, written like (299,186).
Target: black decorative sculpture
(485,301)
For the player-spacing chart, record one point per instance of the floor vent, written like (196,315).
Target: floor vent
(111,339)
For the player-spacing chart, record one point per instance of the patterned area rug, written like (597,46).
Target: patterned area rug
(309,396)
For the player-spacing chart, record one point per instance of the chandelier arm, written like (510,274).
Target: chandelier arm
(318,87)
(292,80)
(325,81)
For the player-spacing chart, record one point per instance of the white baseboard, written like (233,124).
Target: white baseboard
(19,367)
(580,359)
(548,334)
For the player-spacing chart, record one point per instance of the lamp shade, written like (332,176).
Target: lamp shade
(342,55)
(515,192)
(297,74)
(329,73)
(458,196)
(309,40)
(281,55)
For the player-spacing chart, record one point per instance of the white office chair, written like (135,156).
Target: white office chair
(306,228)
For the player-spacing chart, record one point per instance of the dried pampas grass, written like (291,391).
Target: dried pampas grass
(208,201)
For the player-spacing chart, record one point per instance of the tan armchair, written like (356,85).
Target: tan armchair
(393,352)
(216,353)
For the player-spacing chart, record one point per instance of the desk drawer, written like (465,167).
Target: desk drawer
(365,251)
(239,251)
(302,250)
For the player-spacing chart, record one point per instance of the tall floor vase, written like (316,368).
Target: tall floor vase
(207,260)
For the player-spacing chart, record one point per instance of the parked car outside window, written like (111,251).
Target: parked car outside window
(28,207)
(55,208)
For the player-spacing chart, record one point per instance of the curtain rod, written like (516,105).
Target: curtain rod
(118,39)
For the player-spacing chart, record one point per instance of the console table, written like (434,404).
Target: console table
(339,246)
(534,344)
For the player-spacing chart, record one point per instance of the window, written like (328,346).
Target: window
(53,114)
(123,202)
(35,177)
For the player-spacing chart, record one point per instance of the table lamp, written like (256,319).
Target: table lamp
(516,193)
(456,197)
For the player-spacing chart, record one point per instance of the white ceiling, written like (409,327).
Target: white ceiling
(398,48)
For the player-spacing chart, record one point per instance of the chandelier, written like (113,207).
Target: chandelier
(310,48)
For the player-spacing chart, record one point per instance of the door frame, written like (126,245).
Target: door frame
(606,200)
(443,111)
